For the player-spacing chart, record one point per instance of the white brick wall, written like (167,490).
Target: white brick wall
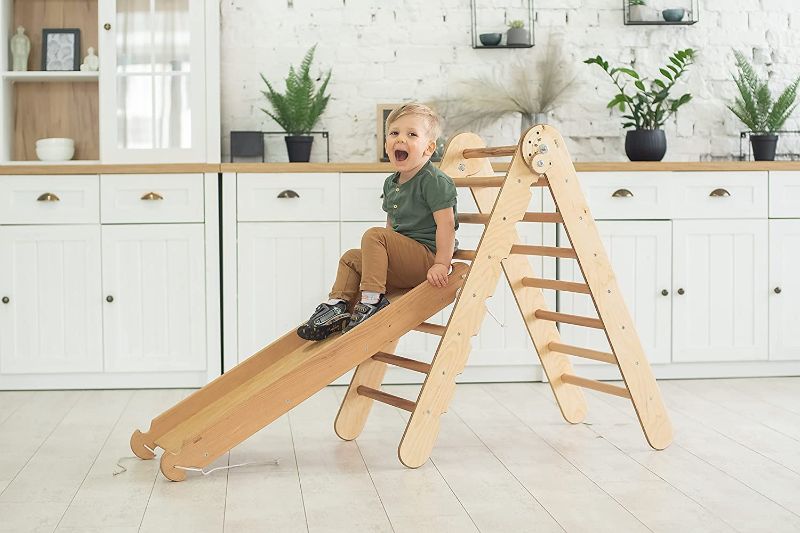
(383,53)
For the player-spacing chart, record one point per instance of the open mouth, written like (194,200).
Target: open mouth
(400,155)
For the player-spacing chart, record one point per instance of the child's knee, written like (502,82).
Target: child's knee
(351,256)
(373,235)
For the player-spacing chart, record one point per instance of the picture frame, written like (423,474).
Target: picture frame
(61,49)
(382,114)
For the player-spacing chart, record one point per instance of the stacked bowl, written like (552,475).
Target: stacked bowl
(55,149)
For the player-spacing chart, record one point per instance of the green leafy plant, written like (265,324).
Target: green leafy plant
(516,24)
(637,2)
(649,106)
(754,105)
(299,108)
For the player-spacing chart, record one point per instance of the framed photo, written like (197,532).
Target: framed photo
(61,48)
(383,114)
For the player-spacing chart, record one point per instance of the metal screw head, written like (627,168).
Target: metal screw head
(543,149)
(540,163)
(5,299)
(776,289)
(462,167)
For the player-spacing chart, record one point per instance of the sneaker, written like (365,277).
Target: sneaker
(363,311)
(326,320)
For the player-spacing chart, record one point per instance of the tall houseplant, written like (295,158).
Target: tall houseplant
(649,107)
(299,108)
(755,107)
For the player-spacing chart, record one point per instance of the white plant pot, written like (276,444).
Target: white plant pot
(637,13)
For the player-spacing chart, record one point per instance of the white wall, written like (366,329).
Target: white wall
(383,52)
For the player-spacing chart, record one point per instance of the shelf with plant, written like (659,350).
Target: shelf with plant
(637,13)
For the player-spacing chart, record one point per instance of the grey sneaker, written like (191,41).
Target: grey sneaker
(326,320)
(363,311)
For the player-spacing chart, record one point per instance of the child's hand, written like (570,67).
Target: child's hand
(437,275)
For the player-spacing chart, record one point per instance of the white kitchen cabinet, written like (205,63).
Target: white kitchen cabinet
(50,315)
(154,297)
(720,283)
(285,269)
(784,289)
(640,254)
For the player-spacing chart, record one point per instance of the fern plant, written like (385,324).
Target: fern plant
(754,105)
(299,108)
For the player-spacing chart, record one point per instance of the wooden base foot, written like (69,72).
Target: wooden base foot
(168,467)
(139,443)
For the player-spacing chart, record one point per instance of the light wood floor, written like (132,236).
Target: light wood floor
(505,461)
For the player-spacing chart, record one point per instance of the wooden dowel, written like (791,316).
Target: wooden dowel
(540,217)
(386,398)
(541,182)
(584,321)
(583,352)
(473,218)
(433,329)
(488,181)
(568,286)
(596,385)
(403,362)
(547,251)
(489,151)
(467,255)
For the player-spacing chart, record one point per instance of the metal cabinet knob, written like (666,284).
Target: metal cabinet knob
(664,292)
(681,291)
(6,299)
(152,196)
(106,26)
(622,193)
(109,298)
(719,193)
(777,290)
(48,197)
(288,193)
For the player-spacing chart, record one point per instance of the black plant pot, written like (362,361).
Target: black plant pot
(645,145)
(299,148)
(764,147)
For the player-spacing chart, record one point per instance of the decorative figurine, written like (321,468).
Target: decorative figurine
(20,48)
(91,62)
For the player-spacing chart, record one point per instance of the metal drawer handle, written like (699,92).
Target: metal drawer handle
(6,299)
(288,193)
(664,292)
(48,197)
(109,298)
(152,196)
(622,193)
(719,193)
(777,290)
(681,292)
(106,26)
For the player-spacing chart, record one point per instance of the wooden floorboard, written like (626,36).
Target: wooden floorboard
(505,461)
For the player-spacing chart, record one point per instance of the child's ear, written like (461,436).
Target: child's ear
(431,147)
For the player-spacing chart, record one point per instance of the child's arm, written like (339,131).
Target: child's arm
(388,222)
(445,242)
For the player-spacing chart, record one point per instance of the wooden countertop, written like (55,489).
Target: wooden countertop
(274,168)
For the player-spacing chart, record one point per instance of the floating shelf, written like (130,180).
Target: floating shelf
(505,46)
(51,163)
(659,23)
(54,76)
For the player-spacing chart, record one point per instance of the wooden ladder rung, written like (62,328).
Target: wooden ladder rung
(539,217)
(583,352)
(568,286)
(385,397)
(467,255)
(483,181)
(473,218)
(489,151)
(569,319)
(608,388)
(403,362)
(547,251)
(434,329)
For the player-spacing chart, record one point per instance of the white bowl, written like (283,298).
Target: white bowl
(55,141)
(55,153)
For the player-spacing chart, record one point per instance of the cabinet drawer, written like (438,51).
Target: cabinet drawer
(49,199)
(720,194)
(361,196)
(628,195)
(784,194)
(127,198)
(288,197)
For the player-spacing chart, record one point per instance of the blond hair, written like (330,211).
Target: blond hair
(431,118)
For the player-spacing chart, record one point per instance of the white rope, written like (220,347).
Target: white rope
(119,461)
(274,462)
(494,317)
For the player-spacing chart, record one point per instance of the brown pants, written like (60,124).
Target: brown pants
(386,259)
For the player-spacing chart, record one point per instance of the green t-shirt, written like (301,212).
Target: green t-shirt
(410,206)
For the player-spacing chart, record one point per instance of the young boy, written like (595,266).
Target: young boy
(418,240)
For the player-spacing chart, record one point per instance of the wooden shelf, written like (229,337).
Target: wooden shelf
(51,76)
(659,23)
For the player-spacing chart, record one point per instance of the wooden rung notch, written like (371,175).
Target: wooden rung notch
(566,286)
(599,386)
(385,397)
(547,251)
(489,151)
(583,352)
(539,217)
(576,320)
(466,255)
(403,362)
(434,329)
(487,181)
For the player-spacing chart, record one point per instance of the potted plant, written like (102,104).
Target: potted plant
(649,106)
(299,108)
(517,35)
(636,10)
(755,107)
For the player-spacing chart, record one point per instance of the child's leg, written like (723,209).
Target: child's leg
(394,260)
(348,276)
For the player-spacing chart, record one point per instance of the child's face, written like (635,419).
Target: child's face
(408,143)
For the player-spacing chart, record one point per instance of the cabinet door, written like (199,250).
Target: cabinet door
(639,252)
(719,305)
(154,297)
(50,285)
(152,81)
(285,270)
(784,289)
